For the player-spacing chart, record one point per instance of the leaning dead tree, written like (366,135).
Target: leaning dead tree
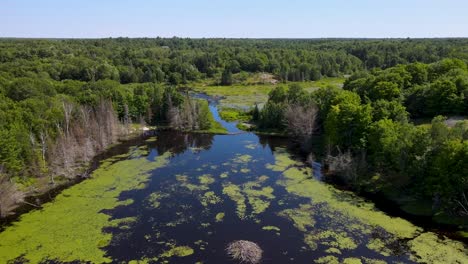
(245,251)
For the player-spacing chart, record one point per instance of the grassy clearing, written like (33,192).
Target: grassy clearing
(234,114)
(244,96)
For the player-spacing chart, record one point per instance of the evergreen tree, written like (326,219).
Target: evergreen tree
(226,77)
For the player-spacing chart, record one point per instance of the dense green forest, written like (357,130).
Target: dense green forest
(371,139)
(64,101)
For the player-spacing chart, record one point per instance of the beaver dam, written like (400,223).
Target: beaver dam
(183,198)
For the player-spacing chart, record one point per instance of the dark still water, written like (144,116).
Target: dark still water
(181,198)
(185,215)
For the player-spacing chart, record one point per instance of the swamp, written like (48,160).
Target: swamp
(174,197)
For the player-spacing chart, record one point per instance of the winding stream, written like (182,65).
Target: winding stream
(181,198)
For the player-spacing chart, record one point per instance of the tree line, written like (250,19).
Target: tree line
(179,60)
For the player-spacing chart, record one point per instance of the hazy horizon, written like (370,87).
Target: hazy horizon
(294,19)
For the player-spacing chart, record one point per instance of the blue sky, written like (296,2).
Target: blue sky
(237,19)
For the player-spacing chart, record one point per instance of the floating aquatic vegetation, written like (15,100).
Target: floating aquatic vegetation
(103,164)
(234,192)
(373,261)
(107,162)
(333,250)
(143,261)
(242,159)
(258,197)
(245,251)
(377,245)
(219,217)
(201,244)
(151,139)
(210,198)
(429,248)
(251,146)
(331,238)
(123,223)
(282,160)
(300,183)
(205,225)
(71,228)
(136,152)
(302,217)
(178,251)
(206,179)
(352,261)
(327,260)
(155,198)
(224,175)
(181,177)
(141,186)
(344,207)
(272,228)
(185,182)
(181,218)
(245,170)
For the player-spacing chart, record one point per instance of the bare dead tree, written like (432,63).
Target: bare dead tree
(149,113)
(43,139)
(189,115)
(186,114)
(40,146)
(126,118)
(142,122)
(88,142)
(67,111)
(342,164)
(174,118)
(90,132)
(196,116)
(300,121)
(79,138)
(10,196)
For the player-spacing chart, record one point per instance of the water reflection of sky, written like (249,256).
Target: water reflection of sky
(181,218)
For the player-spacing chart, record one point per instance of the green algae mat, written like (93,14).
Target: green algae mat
(183,197)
